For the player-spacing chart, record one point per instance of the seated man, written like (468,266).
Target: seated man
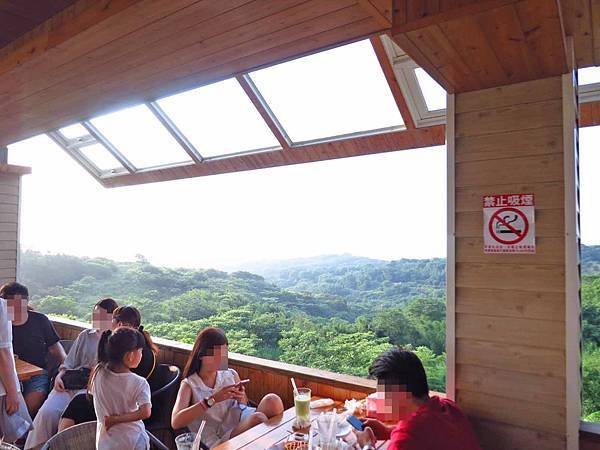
(34,338)
(14,418)
(424,422)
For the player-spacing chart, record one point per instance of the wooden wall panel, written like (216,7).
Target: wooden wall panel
(510,309)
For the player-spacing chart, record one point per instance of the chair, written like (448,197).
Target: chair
(163,398)
(78,437)
(83,437)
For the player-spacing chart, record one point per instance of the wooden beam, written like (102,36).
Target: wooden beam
(343,148)
(589,114)
(263,109)
(388,71)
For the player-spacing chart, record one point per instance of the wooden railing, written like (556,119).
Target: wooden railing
(265,375)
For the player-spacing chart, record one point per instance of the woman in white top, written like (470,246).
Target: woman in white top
(121,398)
(83,354)
(211,392)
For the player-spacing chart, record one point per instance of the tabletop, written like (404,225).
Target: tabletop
(26,371)
(275,430)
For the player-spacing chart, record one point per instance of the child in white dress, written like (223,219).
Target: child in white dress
(121,398)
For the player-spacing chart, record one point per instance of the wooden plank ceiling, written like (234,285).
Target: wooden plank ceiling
(475,44)
(17,17)
(582,21)
(101,55)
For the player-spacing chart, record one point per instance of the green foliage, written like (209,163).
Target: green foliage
(336,312)
(345,315)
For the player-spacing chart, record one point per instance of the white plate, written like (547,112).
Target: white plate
(343,429)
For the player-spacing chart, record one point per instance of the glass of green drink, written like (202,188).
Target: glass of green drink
(302,404)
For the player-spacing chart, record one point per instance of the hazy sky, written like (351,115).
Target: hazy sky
(383,206)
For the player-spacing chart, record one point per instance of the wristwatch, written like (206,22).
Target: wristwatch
(209,402)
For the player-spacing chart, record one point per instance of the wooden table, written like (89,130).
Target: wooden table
(274,431)
(26,371)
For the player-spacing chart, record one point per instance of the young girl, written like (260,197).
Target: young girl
(212,392)
(81,408)
(121,398)
(83,354)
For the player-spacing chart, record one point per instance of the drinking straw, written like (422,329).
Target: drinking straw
(294,386)
(196,444)
(331,431)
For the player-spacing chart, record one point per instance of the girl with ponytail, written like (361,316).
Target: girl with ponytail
(80,360)
(81,408)
(121,398)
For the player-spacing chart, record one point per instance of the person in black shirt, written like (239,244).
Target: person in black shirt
(34,338)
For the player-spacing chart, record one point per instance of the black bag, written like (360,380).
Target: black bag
(76,379)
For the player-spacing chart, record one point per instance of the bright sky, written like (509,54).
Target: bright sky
(589,164)
(383,206)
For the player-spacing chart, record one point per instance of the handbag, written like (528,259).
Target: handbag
(76,379)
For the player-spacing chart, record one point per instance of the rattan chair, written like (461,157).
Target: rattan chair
(83,437)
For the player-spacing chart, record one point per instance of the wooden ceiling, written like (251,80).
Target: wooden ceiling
(96,56)
(475,44)
(17,17)
(101,55)
(582,21)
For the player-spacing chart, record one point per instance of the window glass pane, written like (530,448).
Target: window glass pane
(434,94)
(74,131)
(219,119)
(140,137)
(100,157)
(589,75)
(331,93)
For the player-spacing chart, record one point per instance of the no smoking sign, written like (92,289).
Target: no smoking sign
(509,223)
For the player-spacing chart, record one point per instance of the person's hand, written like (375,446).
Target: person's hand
(240,395)
(226,393)
(366,436)
(109,421)
(379,429)
(12,403)
(58,383)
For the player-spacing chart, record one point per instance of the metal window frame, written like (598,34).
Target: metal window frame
(95,136)
(589,93)
(404,69)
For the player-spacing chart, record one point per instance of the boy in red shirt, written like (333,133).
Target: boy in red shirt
(424,422)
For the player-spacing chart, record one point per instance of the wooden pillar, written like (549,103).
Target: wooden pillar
(513,325)
(10,199)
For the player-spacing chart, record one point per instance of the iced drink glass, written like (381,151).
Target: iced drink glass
(302,404)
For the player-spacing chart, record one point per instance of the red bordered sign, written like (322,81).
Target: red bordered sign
(509,223)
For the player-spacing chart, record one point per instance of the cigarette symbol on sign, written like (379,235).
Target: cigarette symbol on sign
(504,226)
(509,221)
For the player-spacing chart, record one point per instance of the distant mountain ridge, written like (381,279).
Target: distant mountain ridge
(271,269)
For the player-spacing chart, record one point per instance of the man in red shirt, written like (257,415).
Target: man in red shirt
(424,422)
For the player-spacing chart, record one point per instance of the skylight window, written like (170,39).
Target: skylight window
(219,119)
(433,93)
(140,137)
(74,131)
(589,75)
(332,93)
(100,157)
